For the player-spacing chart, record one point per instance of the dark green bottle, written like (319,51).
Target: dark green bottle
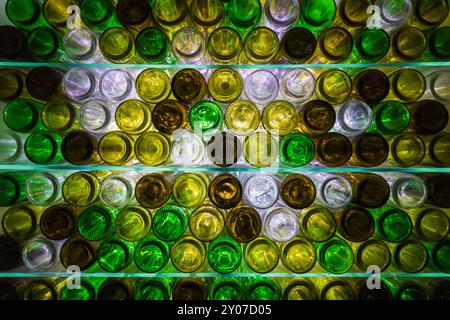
(244,15)
(43,147)
(25,14)
(153,45)
(99,15)
(12,187)
(45,45)
(23,115)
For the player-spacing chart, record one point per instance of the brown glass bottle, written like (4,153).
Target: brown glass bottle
(438,190)
(115,289)
(169,115)
(333,149)
(80,148)
(188,86)
(12,43)
(59,222)
(369,190)
(298,191)
(79,252)
(224,149)
(9,291)
(356,224)
(44,83)
(428,116)
(134,14)
(9,253)
(297,45)
(371,86)
(316,117)
(225,191)
(369,150)
(190,289)
(153,190)
(243,224)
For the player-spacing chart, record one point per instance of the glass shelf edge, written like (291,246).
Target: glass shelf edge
(223,169)
(243,66)
(215,275)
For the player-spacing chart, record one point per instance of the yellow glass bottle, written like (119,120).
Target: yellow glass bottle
(261,255)
(334,85)
(58,116)
(224,45)
(133,116)
(261,45)
(152,148)
(116,148)
(406,150)
(81,188)
(153,85)
(225,85)
(188,254)
(242,117)
(260,149)
(117,45)
(279,117)
(190,189)
(206,223)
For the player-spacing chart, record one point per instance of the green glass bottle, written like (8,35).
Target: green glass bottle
(225,289)
(439,43)
(86,291)
(115,254)
(96,223)
(335,255)
(98,14)
(153,289)
(151,254)
(296,150)
(169,223)
(391,117)
(45,45)
(262,289)
(224,254)
(244,15)
(206,116)
(316,15)
(371,45)
(153,45)
(22,115)
(392,225)
(43,147)
(12,187)
(25,14)
(440,256)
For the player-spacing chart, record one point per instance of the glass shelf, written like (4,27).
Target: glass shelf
(242,66)
(17,167)
(214,275)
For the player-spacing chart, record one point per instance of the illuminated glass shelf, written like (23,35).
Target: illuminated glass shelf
(214,275)
(212,66)
(16,167)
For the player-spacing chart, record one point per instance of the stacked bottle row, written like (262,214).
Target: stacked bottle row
(117,189)
(159,130)
(178,229)
(137,32)
(225,289)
